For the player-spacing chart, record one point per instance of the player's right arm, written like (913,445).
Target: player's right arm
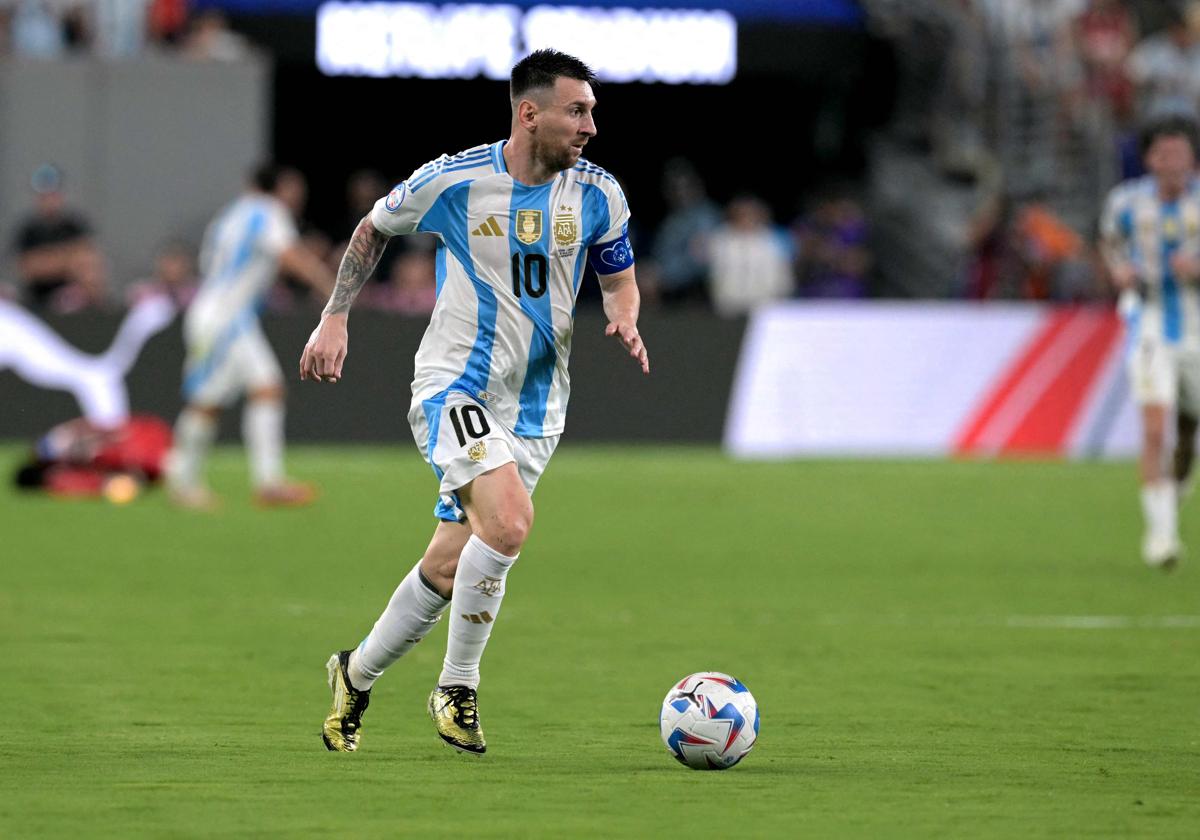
(401,211)
(325,352)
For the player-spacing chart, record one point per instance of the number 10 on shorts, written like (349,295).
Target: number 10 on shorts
(469,422)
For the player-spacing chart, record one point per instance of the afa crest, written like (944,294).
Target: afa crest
(477,452)
(529,226)
(565,227)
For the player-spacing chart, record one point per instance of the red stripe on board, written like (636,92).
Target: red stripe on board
(1045,429)
(971,437)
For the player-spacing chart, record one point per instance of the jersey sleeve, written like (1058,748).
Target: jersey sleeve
(1116,222)
(610,250)
(279,232)
(618,215)
(401,211)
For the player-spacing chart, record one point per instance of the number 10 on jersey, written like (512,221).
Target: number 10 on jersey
(533,278)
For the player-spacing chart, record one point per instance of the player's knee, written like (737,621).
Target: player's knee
(508,529)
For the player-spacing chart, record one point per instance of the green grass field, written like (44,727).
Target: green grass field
(938,649)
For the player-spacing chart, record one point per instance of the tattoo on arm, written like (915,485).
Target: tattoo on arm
(362,255)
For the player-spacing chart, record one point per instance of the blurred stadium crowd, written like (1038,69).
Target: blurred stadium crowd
(1011,120)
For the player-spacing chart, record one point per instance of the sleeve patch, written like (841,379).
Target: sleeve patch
(396,197)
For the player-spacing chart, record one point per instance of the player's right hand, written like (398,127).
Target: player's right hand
(326,350)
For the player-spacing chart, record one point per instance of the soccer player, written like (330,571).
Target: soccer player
(227,354)
(78,459)
(1151,243)
(515,220)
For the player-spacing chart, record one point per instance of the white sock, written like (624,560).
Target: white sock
(262,430)
(411,613)
(194,433)
(478,591)
(1160,509)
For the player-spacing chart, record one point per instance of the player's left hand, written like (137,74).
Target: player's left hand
(632,341)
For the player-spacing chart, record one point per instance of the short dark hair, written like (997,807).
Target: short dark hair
(540,68)
(1171,125)
(265,176)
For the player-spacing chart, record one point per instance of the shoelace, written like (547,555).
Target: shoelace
(462,699)
(358,705)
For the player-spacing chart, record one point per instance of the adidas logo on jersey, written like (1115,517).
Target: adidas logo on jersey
(488,228)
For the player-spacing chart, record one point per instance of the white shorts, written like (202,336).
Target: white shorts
(1164,375)
(222,366)
(461,440)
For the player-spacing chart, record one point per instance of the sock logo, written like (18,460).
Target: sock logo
(489,586)
(483,617)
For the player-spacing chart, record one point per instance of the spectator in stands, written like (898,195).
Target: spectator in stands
(832,255)
(363,189)
(750,260)
(411,288)
(174,276)
(292,190)
(53,244)
(166,21)
(680,245)
(1105,35)
(37,30)
(120,27)
(1165,67)
(211,39)
(1056,264)
(89,287)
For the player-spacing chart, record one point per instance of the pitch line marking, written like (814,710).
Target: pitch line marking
(1104,622)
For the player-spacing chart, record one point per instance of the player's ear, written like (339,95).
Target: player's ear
(527,111)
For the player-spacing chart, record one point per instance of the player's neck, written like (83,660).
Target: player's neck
(522,166)
(1171,192)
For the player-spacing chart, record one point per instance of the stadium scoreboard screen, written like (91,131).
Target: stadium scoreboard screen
(459,41)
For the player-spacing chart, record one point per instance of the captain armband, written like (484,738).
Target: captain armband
(611,257)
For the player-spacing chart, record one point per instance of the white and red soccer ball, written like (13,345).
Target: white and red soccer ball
(709,721)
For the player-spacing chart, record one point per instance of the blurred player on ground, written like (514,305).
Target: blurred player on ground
(515,222)
(227,353)
(1151,230)
(78,459)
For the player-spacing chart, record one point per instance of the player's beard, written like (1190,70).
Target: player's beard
(555,159)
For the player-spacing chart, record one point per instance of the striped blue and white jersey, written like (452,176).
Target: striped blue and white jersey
(239,260)
(510,259)
(1142,228)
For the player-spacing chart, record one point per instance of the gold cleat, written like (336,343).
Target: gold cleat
(455,713)
(344,722)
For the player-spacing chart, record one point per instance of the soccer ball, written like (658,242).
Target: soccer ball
(709,721)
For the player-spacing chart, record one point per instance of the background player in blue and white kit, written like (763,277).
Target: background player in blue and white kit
(228,356)
(1151,230)
(516,223)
